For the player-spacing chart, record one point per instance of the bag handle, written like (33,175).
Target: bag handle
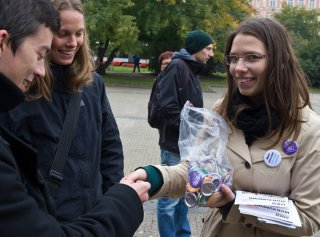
(55,175)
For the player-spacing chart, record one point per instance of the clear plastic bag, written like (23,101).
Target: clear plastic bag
(202,142)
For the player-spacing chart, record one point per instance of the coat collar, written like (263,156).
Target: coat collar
(61,77)
(25,155)
(237,144)
(256,151)
(10,94)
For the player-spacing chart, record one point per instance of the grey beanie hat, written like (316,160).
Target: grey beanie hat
(196,40)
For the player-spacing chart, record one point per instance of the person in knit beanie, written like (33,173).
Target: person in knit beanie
(178,83)
(196,40)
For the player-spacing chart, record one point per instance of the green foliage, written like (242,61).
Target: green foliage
(310,61)
(149,27)
(106,19)
(164,23)
(299,21)
(304,29)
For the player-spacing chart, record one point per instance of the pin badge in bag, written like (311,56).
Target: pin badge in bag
(210,185)
(191,199)
(290,147)
(272,158)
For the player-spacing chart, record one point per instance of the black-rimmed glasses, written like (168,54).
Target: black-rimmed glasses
(248,59)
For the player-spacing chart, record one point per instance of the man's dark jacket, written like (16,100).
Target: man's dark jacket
(95,160)
(26,209)
(172,96)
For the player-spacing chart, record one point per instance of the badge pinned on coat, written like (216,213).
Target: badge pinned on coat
(290,147)
(272,158)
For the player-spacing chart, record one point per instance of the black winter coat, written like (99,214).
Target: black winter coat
(95,160)
(171,101)
(26,208)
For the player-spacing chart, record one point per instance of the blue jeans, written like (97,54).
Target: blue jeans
(172,213)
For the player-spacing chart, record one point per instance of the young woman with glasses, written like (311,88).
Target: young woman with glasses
(273,142)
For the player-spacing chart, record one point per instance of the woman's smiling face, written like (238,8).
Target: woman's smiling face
(67,42)
(249,76)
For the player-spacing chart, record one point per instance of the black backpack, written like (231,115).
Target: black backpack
(153,104)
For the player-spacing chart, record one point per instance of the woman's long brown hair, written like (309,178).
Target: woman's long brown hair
(286,86)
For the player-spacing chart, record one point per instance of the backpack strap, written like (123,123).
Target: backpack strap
(183,82)
(185,78)
(55,175)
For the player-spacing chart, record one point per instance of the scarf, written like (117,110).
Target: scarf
(253,119)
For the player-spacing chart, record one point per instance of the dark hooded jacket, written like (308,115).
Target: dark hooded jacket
(173,93)
(26,209)
(95,159)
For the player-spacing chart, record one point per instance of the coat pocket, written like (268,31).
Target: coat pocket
(212,223)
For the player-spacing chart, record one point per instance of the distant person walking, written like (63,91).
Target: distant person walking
(136,61)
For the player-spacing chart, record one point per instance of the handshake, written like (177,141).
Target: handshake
(136,180)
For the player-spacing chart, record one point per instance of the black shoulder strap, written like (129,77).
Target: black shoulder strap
(55,175)
(183,82)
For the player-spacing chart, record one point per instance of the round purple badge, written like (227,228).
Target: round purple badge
(195,178)
(290,147)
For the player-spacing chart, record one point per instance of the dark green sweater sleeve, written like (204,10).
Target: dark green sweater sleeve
(154,177)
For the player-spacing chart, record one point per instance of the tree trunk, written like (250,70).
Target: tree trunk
(101,51)
(101,69)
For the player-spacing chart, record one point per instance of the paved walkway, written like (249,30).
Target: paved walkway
(129,106)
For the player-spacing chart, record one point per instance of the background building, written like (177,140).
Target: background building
(265,8)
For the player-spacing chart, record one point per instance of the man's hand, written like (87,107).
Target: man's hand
(136,180)
(139,174)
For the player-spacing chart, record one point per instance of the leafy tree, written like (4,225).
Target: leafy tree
(149,27)
(299,21)
(310,61)
(304,29)
(108,25)
(164,23)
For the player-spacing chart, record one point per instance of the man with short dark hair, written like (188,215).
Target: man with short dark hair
(27,28)
(179,83)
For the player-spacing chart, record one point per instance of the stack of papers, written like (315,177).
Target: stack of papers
(268,208)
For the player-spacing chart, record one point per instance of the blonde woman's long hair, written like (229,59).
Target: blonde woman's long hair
(41,87)
(81,69)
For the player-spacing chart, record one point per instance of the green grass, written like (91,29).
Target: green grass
(145,80)
(129,80)
(123,76)
(314,90)
(125,69)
